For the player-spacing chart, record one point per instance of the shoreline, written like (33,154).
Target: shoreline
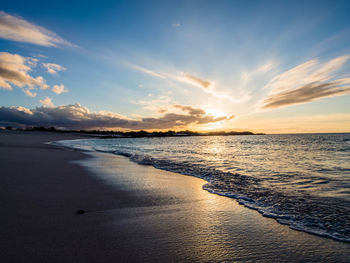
(292,218)
(134,213)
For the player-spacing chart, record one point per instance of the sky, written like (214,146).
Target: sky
(262,66)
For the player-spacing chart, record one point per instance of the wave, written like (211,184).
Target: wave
(321,216)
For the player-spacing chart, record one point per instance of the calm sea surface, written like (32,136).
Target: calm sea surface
(300,180)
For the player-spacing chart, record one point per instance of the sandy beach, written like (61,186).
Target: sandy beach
(134,213)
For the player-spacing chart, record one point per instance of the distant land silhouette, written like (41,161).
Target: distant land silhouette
(136,134)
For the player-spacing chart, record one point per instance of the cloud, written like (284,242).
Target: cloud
(183,77)
(47,102)
(258,72)
(75,116)
(197,81)
(146,71)
(14,70)
(29,93)
(58,89)
(268,66)
(306,93)
(17,29)
(190,110)
(53,68)
(307,82)
(154,104)
(187,78)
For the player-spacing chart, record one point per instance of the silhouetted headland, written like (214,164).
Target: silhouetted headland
(136,134)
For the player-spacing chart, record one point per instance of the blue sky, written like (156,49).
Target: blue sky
(267,66)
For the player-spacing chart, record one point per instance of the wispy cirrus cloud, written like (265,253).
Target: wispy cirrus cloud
(207,86)
(14,71)
(268,66)
(197,81)
(183,77)
(75,116)
(307,82)
(18,29)
(53,68)
(146,71)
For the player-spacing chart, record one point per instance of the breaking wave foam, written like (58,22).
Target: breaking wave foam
(306,213)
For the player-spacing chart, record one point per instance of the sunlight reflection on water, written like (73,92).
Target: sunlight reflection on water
(301,180)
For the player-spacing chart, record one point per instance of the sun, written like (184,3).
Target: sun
(215,113)
(214,126)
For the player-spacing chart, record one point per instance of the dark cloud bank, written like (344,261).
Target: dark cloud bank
(75,116)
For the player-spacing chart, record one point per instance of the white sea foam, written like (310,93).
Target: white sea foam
(289,178)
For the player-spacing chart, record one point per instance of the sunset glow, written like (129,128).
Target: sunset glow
(175,131)
(229,66)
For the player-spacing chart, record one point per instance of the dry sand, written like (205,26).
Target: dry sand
(133,213)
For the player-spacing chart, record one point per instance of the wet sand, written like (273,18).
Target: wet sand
(133,213)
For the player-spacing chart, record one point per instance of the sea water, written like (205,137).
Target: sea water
(302,180)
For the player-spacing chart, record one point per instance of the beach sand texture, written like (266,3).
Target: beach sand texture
(134,213)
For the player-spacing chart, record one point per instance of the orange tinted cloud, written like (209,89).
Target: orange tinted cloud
(203,83)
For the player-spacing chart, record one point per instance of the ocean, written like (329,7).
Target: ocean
(301,180)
